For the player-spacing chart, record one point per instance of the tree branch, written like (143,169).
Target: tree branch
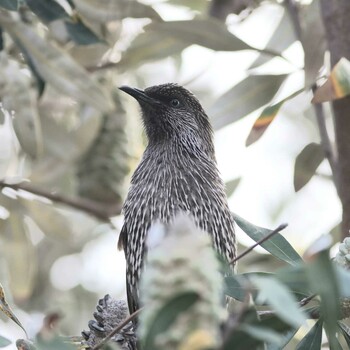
(336,16)
(99,210)
(259,242)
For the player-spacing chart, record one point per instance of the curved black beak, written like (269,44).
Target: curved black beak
(139,95)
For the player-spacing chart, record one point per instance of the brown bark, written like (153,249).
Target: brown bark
(336,18)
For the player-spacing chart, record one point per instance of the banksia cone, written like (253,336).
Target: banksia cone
(343,259)
(183,261)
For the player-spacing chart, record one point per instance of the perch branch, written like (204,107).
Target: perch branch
(259,242)
(98,210)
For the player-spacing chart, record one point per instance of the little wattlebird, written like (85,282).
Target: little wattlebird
(177,173)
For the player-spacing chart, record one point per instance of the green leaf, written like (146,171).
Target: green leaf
(57,67)
(231,186)
(103,11)
(295,278)
(266,118)
(324,282)
(280,299)
(207,32)
(306,164)
(281,39)
(167,315)
(262,333)
(287,337)
(10,5)
(313,339)
(81,34)
(47,10)
(277,245)
(244,98)
(150,46)
(4,342)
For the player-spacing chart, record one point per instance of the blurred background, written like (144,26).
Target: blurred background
(70,139)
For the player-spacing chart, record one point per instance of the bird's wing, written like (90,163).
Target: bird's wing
(123,238)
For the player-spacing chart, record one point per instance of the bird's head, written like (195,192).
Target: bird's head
(172,113)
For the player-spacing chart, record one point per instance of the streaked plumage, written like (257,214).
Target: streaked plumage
(178,172)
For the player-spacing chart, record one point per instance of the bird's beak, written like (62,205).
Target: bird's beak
(139,95)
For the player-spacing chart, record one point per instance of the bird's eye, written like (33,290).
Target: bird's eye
(175,103)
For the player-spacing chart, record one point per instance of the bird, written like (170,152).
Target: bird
(177,173)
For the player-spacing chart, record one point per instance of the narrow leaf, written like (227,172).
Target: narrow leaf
(47,10)
(167,315)
(150,46)
(285,30)
(6,309)
(57,67)
(81,34)
(247,96)
(231,186)
(280,299)
(306,164)
(277,245)
(266,118)
(110,10)
(337,85)
(324,282)
(10,5)
(4,342)
(313,339)
(206,32)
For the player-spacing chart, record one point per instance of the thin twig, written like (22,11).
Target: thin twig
(98,210)
(306,300)
(325,141)
(292,8)
(234,320)
(259,242)
(117,329)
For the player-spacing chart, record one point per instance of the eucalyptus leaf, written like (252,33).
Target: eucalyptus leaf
(81,34)
(56,67)
(4,342)
(280,40)
(47,10)
(207,32)
(166,317)
(231,186)
(244,98)
(110,10)
(313,339)
(277,245)
(10,5)
(262,333)
(150,46)
(287,337)
(324,282)
(280,299)
(306,164)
